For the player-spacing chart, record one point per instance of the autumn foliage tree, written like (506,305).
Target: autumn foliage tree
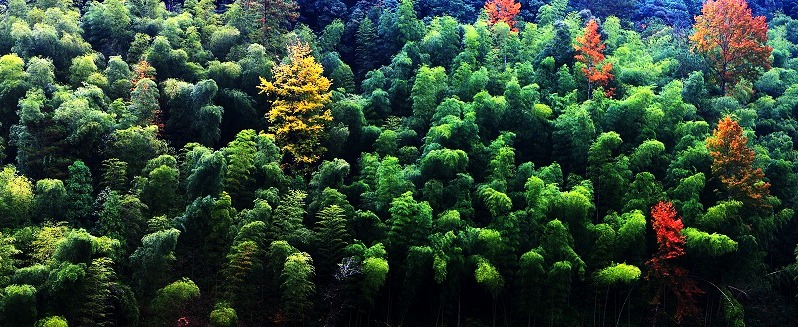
(298,115)
(590,51)
(663,271)
(141,71)
(503,11)
(732,41)
(732,162)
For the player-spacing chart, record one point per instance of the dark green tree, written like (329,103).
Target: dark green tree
(173,301)
(19,305)
(153,259)
(332,237)
(79,194)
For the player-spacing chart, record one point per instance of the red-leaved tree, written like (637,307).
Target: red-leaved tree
(732,40)
(503,11)
(590,51)
(664,272)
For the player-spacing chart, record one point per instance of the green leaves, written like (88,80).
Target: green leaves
(720,215)
(16,198)
(79,193)
(287,222)
(375,271)
(558,244)
(18,305)
(619,273)
(297,285)
(443,163)
(427,92)
(332,236)
(160,190)
(205,170)
(497,202)
(172,301)
(52,321)
(708,244)
(107,26)
(12,77)
(224,316)
(390,183)
(410,222)
(487,276)
(153,259)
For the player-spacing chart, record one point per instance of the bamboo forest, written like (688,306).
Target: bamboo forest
(387,163)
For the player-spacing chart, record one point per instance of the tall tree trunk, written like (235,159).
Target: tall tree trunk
(494,311)
(458,308)
(604,311)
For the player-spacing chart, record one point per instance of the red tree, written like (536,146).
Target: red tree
(733,163)
(663,270)
(590,51)
(732,41)
(504,11)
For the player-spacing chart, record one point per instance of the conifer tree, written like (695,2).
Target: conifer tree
(365,40)
(274,16)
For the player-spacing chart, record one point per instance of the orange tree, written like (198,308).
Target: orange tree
(503,11)
(298,115)
(733,164)
(732,41)
(590,51)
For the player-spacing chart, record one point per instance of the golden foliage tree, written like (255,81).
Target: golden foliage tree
(732,40)
(298,115)
(733,163)
(590,51)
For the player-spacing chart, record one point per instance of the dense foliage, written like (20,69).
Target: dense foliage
(398,163)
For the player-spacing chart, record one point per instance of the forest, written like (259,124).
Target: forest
(398,163)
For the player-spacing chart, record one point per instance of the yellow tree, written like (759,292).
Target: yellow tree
(298,115)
